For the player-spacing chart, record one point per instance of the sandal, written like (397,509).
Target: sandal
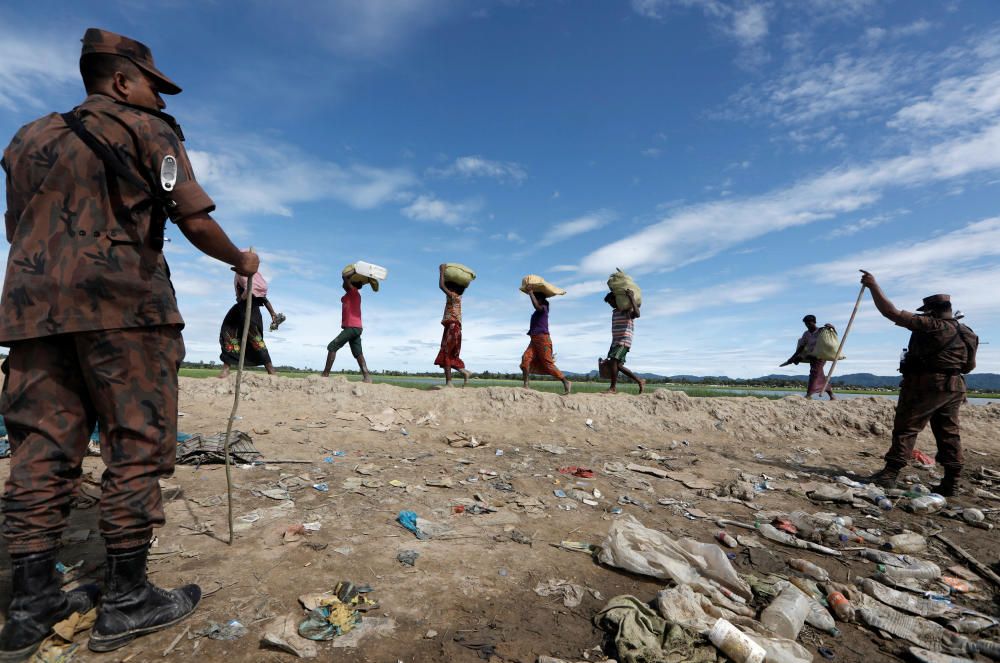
(278,319)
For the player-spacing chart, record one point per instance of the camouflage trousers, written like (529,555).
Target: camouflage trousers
(56,388)
(916,408)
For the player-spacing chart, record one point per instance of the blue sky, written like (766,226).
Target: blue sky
(742,159)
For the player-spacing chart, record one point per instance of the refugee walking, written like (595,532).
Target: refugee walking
(622,330)
(806,351)
(230,335)
(449,356)
(940,352)
(538,358)
(94,331)
(350,325)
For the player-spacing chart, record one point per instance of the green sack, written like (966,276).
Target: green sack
(827,345)
(619,282)
(459,274)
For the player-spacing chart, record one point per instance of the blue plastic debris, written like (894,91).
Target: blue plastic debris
(408,519)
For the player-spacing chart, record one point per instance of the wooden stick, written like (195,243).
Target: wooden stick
(979,566)
(843,340)
(236,398)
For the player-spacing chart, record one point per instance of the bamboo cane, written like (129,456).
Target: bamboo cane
(236,398)
(843,340)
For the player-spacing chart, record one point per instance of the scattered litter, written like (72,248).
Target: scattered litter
(462,440)
(408,557)
(577,546)
(283,634)
(571,593)
(551,448)
(322,487)
(231,630)
(579,472)
(208,450)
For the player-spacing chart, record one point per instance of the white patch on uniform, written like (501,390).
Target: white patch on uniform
(168,172)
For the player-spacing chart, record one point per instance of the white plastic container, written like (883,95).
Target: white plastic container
(787,612)
(735,644)
(928,503)
(372,271)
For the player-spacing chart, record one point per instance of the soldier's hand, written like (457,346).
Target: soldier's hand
(249,263)
(868,279)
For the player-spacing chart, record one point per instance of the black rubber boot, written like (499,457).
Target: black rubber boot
(37,604)
(886,477)
(949,484)
(133,606)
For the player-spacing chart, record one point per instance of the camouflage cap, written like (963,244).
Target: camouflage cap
(935,302)
(96,40)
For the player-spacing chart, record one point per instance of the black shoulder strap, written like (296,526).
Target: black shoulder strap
(111,160)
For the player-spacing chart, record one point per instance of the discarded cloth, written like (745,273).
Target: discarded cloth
(211,449)
(642,636)
(571,593)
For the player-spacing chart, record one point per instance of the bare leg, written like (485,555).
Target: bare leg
(270,309)
(365,376)
(225,371)
(829,391)
(269,367)
(567,387)
(525,372)
(614,367)
(330,356)
(635,378)
(447,376)
(465,377)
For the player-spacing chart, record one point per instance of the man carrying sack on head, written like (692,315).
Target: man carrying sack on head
(940,352)
(91,320)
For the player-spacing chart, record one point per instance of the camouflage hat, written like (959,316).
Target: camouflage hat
(96,40)
(935,302)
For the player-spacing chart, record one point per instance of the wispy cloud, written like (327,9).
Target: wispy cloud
(697,232)
(430,208)
(247,174)
(477,166)
(955,102)
(747,22)
(578,226)
(33,63)
(860,225)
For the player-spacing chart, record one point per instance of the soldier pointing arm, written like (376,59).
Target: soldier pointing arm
(941,350)
(91,320)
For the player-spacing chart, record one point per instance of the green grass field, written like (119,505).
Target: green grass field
(555,387)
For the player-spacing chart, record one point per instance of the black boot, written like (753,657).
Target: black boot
(37,604)
(949,484)
(885,478)
(133,606)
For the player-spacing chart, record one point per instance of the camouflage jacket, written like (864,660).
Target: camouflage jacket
(80,256)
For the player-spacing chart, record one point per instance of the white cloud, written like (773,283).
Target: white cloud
(366,29)
(745,22)
(651,152)
(563,268)
(33,63)
(744,291)
(509,236)
(578,226)
(251,175)
(429,208)
(866,223)
(955,102)
(697,232)
(477,166)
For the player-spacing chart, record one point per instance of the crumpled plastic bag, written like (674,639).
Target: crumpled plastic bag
(632,546)
(642,636)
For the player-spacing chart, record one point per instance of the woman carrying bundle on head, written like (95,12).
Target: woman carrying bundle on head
(452,279)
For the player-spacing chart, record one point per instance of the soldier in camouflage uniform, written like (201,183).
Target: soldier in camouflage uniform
(91,320)
(940,352)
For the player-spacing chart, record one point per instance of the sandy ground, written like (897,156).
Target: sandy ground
(475,585)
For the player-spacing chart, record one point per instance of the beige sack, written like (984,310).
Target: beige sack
(360,280)
(538,284)
(459,274)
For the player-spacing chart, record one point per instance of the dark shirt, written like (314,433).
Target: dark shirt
(539,320)
(935,356)
(80,259)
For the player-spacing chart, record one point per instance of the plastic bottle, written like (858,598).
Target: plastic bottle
(839,604)
(907,542)
(735,644)
(808,568)
(807,586)
(787,612)
(726,539)
(819,618)
(928,503)
(918,568)
(972,516)
(805,523)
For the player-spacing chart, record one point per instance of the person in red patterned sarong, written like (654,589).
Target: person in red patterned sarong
(451,340)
